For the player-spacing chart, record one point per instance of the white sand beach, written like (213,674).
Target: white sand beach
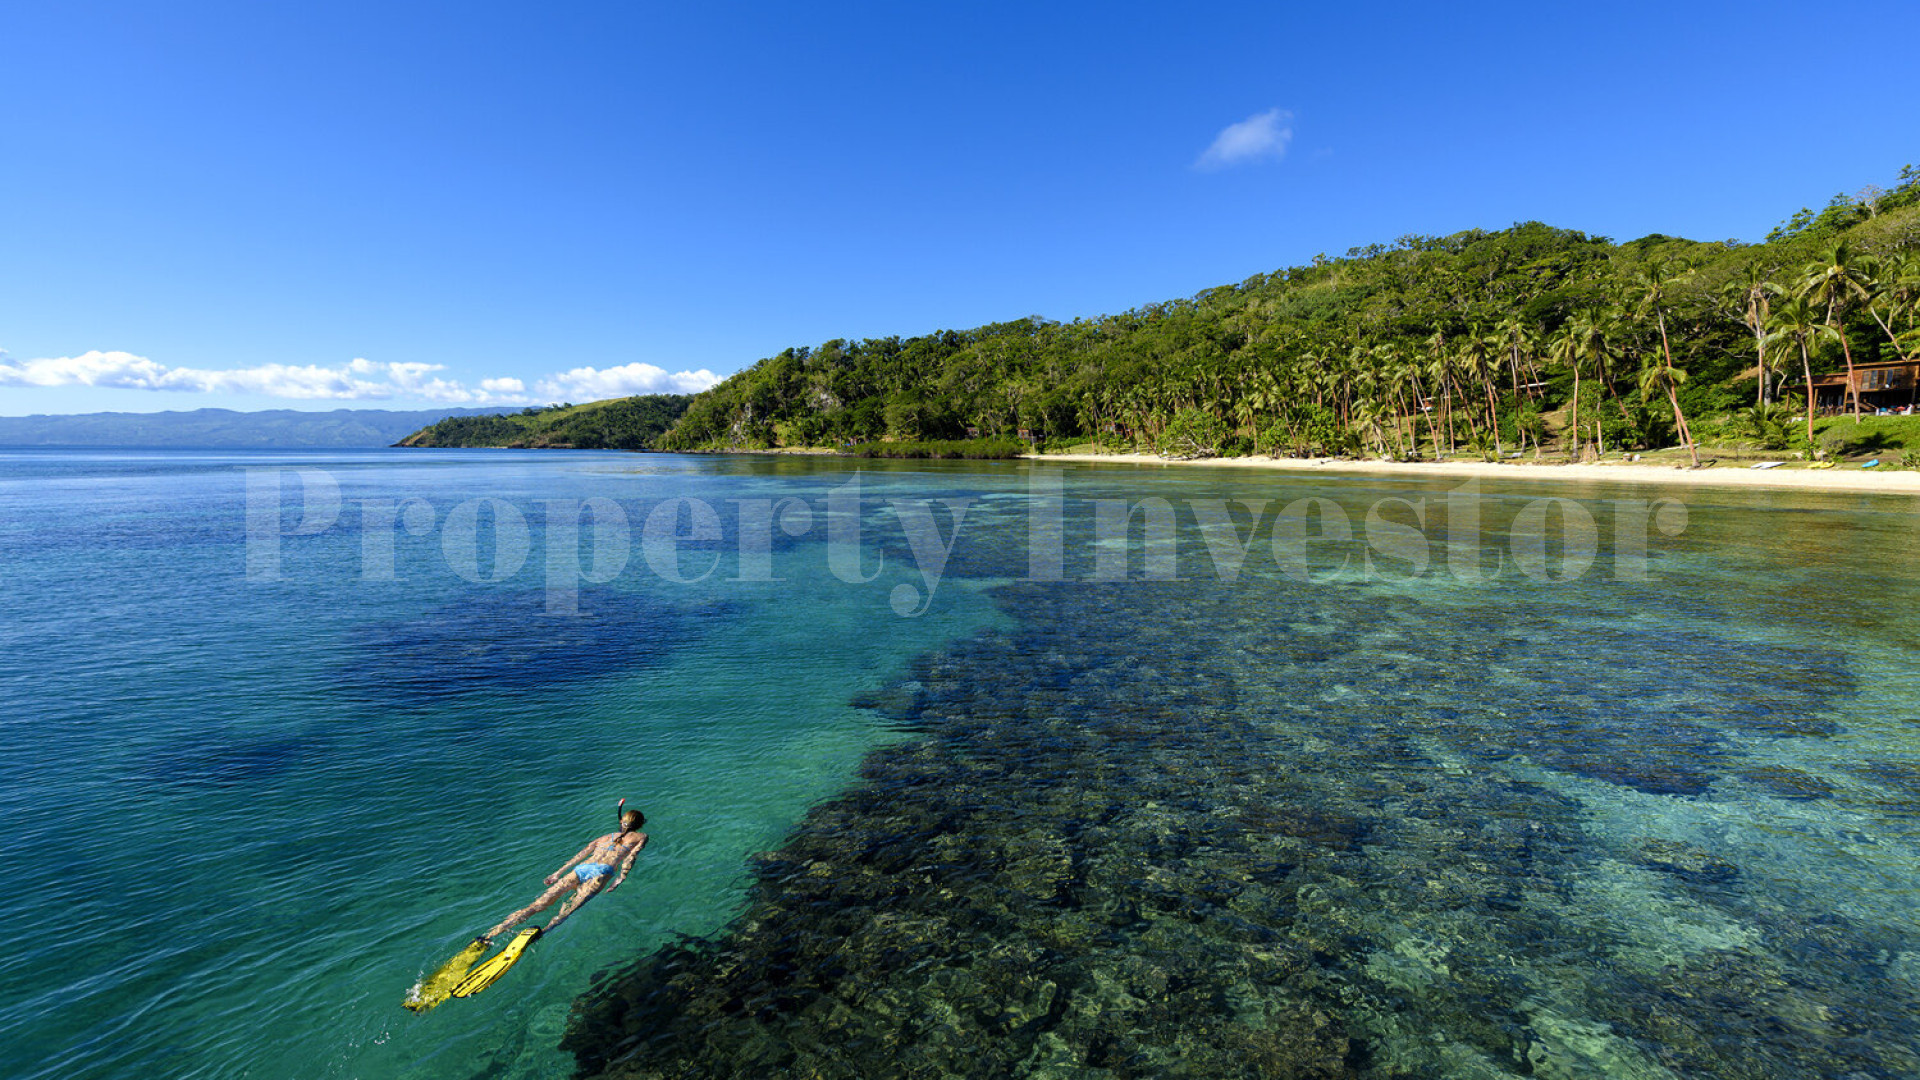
(1843,478)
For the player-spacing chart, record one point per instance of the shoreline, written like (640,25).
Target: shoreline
(1836,480)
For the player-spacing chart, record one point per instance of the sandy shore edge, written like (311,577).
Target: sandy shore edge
(1840,479)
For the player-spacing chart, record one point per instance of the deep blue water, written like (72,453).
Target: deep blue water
(249,812)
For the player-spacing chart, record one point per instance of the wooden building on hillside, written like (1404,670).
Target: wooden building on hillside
(1891,385)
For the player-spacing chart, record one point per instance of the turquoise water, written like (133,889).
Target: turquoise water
(247,816)
(1375,822)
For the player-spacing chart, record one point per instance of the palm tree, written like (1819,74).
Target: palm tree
(1440,370)
(1796,322)
(1897,284)
(1518,338)
(1456,368)
(1563,349)
(1476,360)
(1749,295)
(1583,338)
(1368,412)
(1660,372)
(1835,282)
(1411,370)
(1394,368)
(1298,381)
(1651,282)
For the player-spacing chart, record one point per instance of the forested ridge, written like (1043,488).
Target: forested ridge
(630,423)
(1531,338)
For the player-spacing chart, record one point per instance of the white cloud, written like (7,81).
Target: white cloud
(592,384)
(356,380)
(1262,135)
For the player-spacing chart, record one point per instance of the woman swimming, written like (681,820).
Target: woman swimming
(591,868)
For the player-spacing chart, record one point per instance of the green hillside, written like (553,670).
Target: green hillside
(1528,339)
(632,423)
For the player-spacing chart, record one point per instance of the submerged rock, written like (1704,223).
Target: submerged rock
(1782,782)
(1151,852)
(1686,861)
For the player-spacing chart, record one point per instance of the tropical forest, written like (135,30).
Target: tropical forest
(629,423)
(1531,340)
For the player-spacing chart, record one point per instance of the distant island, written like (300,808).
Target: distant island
(631,423)
(219,429)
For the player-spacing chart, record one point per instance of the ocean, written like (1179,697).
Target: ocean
(978,768)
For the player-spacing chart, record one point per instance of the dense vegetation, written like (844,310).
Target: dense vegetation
(631,423)
(1531,337)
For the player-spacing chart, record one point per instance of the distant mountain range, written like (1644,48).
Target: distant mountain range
(271,429)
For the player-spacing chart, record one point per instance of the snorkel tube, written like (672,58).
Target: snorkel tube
(619,814)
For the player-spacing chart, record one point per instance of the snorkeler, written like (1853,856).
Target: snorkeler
(590,870)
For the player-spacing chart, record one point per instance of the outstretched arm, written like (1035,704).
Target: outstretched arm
(626,864)
(562,872)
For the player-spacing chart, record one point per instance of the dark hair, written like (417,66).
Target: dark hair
(632,819)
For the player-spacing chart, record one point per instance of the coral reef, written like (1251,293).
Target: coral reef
(1189,831)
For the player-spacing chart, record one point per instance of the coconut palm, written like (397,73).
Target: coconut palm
(1796,322)
(1457,373)
(1749,295)
(1836,281)
(1439,369)
(1652,282)
(1660,373)
(1519,340)
(1477,362)
(1896,287)
(1411,370)
(1395,376)
(1583,339)
(1368,414)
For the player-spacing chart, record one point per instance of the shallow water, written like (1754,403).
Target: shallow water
(1406,826)
(251,814)
(1374,822)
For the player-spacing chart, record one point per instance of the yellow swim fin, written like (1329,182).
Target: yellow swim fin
(486,974)
(436,987)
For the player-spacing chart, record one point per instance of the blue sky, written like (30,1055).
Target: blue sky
(402,205)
